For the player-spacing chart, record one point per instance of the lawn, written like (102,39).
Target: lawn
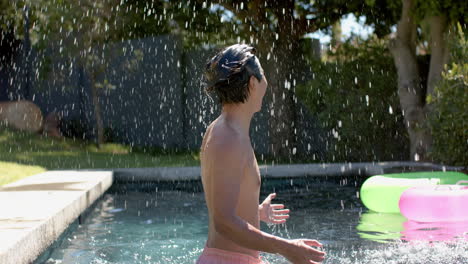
(23,154)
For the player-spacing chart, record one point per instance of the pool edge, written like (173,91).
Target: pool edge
(26,244)
(364,169)
(31,245)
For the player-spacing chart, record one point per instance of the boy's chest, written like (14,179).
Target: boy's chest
(253,171)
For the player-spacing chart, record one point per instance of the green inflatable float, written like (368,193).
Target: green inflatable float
(381,193)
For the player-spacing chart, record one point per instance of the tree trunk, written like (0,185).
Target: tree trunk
(97,112)
(279,70)
(439,51)
(277,50)
(410,90)
(282,105)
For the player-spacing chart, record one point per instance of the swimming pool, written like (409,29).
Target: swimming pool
(166,222)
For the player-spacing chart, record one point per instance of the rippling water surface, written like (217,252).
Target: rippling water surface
(155,225)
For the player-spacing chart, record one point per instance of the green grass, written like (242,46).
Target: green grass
(10,171)
(23,154)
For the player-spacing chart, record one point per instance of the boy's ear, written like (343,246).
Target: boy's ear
(252,82)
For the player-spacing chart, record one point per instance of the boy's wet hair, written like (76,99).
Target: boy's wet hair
(228,73)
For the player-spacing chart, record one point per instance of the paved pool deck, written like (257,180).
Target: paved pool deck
(36,210)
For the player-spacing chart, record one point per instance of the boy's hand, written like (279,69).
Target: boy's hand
(302,251)
(272,213)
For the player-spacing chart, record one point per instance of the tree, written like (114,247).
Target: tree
(436,16)
(276,28)
(352,100)
(448,119)
(81,32)
(421,25)
(80,27)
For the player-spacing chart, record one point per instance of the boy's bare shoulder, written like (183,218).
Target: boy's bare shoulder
(225,140)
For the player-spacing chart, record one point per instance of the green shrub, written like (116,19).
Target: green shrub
(355,99)
(449,117)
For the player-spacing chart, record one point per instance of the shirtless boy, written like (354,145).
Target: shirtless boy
(230,174)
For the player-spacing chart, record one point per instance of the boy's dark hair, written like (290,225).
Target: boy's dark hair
(228,73)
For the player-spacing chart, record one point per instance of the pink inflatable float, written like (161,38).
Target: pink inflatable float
(439,203)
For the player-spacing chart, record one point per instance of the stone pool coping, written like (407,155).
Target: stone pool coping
(365,169)
(36,210)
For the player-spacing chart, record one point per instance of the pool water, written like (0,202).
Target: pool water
(167,223)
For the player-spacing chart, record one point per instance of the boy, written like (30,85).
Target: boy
(230,174)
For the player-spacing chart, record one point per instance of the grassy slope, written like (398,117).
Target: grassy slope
(23,154)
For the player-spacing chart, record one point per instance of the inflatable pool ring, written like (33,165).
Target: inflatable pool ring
(441,203)
(381,193)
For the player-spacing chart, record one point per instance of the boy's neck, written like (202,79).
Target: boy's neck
(238,115)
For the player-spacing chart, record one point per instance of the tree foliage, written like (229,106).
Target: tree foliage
(353,97)
(455,10)
(83,29)
(449,120)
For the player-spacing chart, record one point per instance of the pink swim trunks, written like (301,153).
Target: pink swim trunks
(219,256)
